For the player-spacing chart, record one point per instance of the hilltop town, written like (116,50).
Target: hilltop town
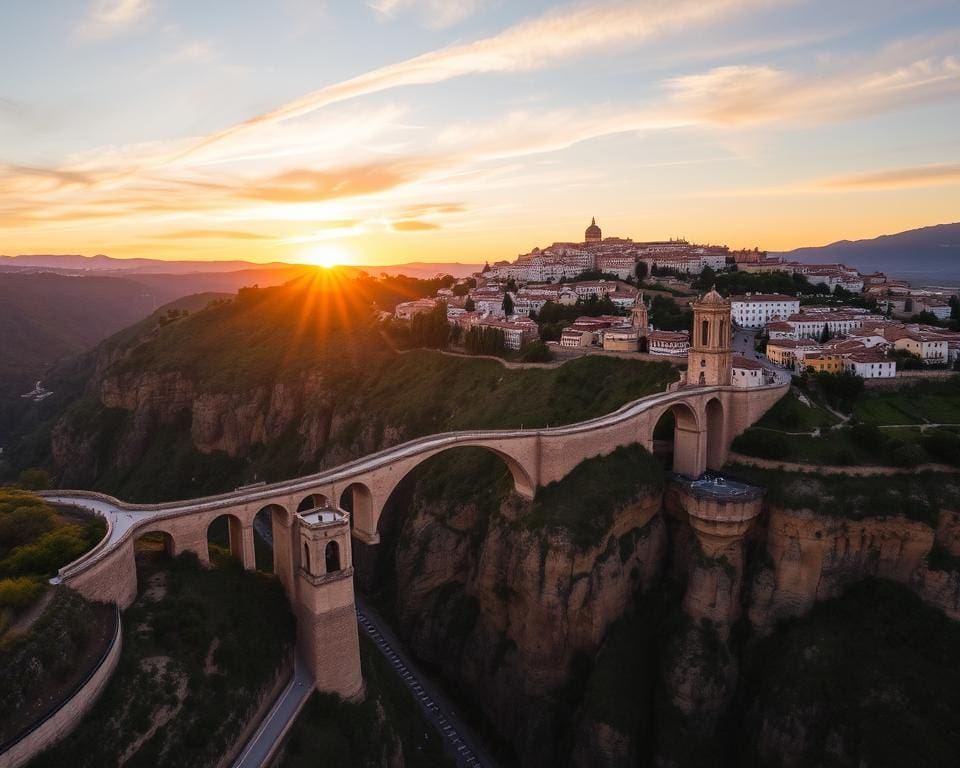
(614,295)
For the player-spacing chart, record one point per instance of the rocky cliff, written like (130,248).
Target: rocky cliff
(645,647)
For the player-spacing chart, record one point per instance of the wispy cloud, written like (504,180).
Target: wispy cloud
(413,225)
(437,14)
(106,18)
(554,37)
(938,174)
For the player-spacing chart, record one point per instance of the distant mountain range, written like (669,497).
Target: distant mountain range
(930,255)
(108,264)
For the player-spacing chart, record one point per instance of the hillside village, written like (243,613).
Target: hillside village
(616,295)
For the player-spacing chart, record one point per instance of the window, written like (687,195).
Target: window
(332,557)
(306,558)
(705,332)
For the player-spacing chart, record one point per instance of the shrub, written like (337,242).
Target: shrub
(536,352)
(19,592)
(943,445)
(764,444)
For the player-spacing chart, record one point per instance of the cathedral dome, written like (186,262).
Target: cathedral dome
(592,235)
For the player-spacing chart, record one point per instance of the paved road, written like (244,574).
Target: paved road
(458,742)
(743,344)
(279,719)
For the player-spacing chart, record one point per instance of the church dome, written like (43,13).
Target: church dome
(593,232)
(712,297)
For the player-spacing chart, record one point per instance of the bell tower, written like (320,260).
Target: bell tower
(326,614)
(640,319)
(711,354)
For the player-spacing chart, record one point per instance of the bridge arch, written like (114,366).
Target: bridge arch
(225,529)
(357,499)
(687,435)
(275,519)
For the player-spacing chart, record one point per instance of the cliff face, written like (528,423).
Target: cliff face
(813,557)
(505,611)
(507,614)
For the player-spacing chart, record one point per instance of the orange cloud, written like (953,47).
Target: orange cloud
(897,178)
(413,225)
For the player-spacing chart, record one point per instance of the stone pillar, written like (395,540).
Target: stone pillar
(248,547)
(720,517)
(284,554)
(194,540)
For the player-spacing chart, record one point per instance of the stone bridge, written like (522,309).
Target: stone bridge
(311,530)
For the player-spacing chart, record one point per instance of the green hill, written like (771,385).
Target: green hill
(283,381)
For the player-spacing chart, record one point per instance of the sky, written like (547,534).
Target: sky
(389,131)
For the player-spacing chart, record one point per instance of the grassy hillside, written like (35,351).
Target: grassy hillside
(312,358)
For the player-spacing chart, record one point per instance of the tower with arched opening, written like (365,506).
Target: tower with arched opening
(326,614)
(711,352)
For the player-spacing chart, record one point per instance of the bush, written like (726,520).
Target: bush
(943,446)
(19,592)
(763,444)
(536,352)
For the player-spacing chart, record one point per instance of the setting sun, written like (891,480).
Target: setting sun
(326,256)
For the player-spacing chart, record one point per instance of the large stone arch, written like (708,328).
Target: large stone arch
(688,447)
(716,433)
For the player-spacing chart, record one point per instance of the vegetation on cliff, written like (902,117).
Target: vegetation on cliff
(40,667)
(585,501)
(919,496)
(811,695)
(200,646)
(35,541)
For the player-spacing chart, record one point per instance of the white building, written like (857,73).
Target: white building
(757,309)
(870,365)
(746,373)
(516,333)
(674,343)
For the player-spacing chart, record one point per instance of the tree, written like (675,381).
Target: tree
(430,329)
(469,305)
(955,307)
(34,479)
(825,334)
(461,289)
(512,285)
(707,279)
(507,303)
(536,352)
(484,340)
(486,268)
(641,270)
